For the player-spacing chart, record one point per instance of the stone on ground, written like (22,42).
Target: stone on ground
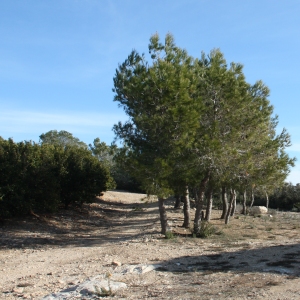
(258,210)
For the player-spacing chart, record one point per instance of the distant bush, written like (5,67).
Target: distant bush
(113,158)
(124,181)
(283,198)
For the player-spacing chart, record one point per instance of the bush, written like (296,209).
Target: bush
(124,181)
(206,230)
(27,178)
(82,176)
(40,178)
(169,235)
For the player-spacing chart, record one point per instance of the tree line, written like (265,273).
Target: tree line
(196,124)
(285,197)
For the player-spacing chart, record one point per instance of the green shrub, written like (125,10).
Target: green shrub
(169,235)
(40,178)
(206,230)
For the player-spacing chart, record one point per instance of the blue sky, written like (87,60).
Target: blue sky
(58,57)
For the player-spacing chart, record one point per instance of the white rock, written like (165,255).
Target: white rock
(100,287)
(88,288)
(139,269)
(258,210)
(148,268)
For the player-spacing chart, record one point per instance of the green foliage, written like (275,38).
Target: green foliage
(82,176)
(206,230)
(42,177)
(191,121)
(169,235)
(62,138)
(162,114)
(193,117)
(286,198)
(113,158)
(28,175)
(123,172)
(104,153)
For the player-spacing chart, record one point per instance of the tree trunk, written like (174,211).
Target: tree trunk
(177,202)
(195,194)
(225,202)
(186,209)
(244,203)
(233,208)
(199,204)
(232,199)
(267,202)
(209,205)
(163,215)
(252,198)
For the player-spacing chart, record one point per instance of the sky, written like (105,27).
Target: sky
(58,57)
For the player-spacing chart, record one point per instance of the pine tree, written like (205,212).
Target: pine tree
(163,115)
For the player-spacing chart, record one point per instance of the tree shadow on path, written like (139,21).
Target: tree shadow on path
(281,259)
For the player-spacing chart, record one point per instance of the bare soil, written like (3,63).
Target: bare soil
(251,258)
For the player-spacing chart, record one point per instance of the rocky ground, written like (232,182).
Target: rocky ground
(117,239)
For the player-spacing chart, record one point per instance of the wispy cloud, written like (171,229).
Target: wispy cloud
(76,118)
(25,125)
(33,72)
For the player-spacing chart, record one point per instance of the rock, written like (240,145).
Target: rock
(18,290)
(89,289)
(258,210)
(116,263)
(100,288)
(140,269)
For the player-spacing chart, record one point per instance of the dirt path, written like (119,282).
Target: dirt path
(253,258)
